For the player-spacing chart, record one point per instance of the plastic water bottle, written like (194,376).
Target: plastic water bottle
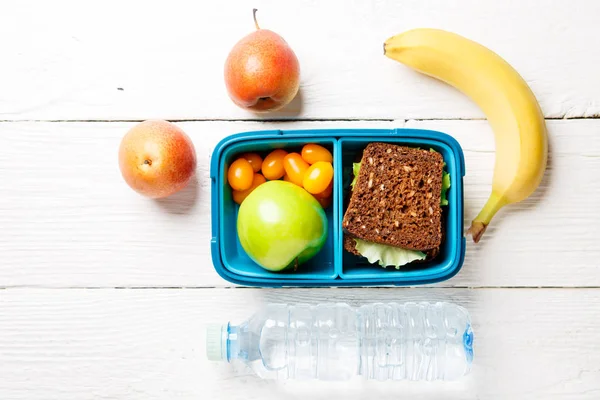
(413,341)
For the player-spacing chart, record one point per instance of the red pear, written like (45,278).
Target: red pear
(157,158)
(262,72)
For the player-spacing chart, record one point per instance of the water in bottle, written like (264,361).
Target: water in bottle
(411,341)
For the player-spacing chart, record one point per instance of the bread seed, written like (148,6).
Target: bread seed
(370,185)
(414,214)
(397,224)
(429,180)
(388,151)
(429,195)
(411,194)
(363,227)
(382,187)
(371,160)
(430,210)
(407,168)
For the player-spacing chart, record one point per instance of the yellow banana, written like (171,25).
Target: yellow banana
(511,108)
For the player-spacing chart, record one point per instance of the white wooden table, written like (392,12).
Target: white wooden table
(105,294)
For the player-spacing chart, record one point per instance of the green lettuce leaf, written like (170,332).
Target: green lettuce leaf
(355,171)
(386,255)
(445,187)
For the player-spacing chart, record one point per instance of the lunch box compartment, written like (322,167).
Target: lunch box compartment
(233,257)
(358,268)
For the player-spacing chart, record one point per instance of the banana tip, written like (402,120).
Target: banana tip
(477,230)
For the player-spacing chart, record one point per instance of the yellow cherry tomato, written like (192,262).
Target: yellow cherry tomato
(254,159)
(295,168)
(318,177)
(325,198)
(240,195)
(272,166)
(240,174)
(312,153)
(327,192)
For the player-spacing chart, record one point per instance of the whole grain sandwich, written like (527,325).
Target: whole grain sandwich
(394,216)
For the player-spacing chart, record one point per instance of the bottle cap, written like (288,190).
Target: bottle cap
(214,343)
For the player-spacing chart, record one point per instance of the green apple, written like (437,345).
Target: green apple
(281,225)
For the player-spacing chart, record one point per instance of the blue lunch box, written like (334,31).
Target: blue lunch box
(333,266)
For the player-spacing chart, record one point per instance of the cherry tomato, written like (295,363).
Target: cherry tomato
(272,166)
(240,195)
(254,159)
(240,174)
(295,168)
(327,192)
(325,198)
(287,178)
(318,177)
(312,153)
(324,201)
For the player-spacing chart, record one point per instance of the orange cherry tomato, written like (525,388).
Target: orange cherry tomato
(287,178)
(254,159)
(324,201)
(325,198)
(318,177)
(327,192)
(240,195)
(312,153)
(272,166)
(240,174)
(295,168)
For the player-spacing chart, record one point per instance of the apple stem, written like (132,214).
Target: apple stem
(254,10)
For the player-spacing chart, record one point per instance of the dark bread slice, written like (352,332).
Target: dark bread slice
(350,246)
(396,199)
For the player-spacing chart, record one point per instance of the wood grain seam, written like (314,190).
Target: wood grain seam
(286,120)
(483,287)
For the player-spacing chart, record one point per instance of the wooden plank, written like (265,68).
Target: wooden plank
(140,344)
(69,220)
(134,60)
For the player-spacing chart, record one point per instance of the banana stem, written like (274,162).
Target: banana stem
(482,220)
